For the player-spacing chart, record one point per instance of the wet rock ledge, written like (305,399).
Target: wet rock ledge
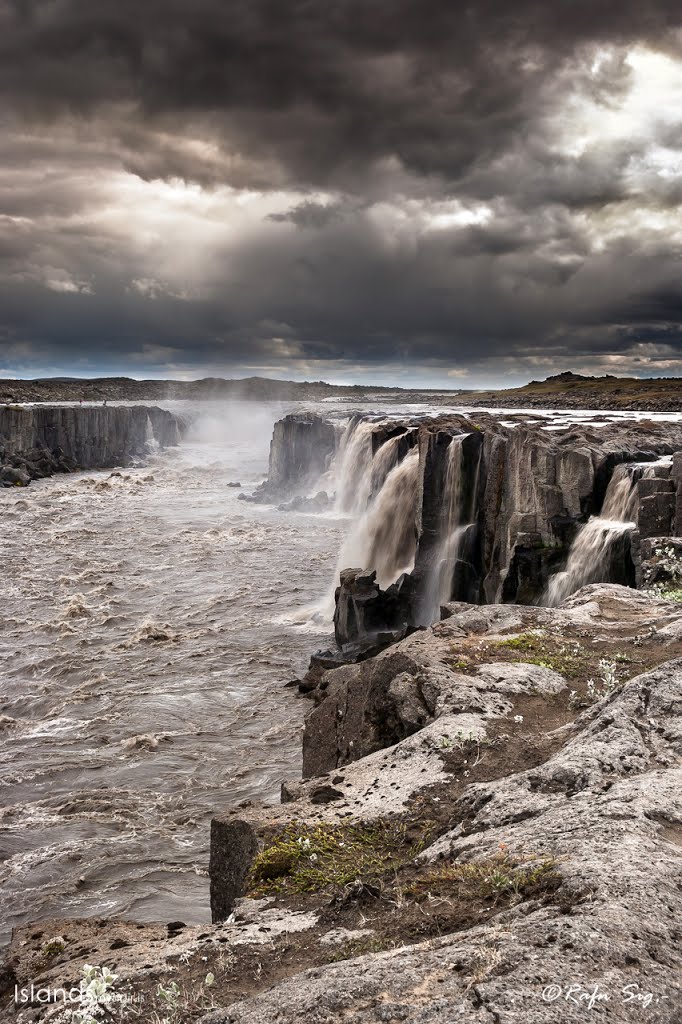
(37,441)
(492,814)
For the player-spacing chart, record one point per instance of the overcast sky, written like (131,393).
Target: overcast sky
(397,191)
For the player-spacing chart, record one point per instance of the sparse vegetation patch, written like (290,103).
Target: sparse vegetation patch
(305,858)
(501,877)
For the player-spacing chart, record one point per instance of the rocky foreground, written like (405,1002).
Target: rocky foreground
(491,831)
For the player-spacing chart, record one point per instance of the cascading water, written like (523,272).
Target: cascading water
(452,531)
(383,462)
(384,538)
(352,469)
(151,444)
(379,490)
(590,556)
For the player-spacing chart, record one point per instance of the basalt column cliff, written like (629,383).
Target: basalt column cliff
(37,441)
(453,508)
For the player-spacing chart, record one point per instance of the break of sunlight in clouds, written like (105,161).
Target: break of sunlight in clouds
(358,192)
(652,101)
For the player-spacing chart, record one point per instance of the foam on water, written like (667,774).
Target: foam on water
(144,656)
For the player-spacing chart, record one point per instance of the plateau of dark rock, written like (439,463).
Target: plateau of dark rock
(569,390)
(566,390)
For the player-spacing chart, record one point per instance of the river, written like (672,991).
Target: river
(147,629)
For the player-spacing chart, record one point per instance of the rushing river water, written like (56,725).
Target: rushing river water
(146,634)
(149,621)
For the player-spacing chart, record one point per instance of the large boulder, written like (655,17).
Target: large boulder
(363,610)
(11,477)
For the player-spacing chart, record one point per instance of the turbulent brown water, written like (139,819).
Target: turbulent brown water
(146,635)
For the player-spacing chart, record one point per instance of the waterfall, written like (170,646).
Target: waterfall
(453,527)
(383,462)
(150,441)
(384,538)
(589,558)
(352,469)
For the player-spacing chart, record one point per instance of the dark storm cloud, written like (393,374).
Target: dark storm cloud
(310,214)
(465,294)
(318,88)
(369,117)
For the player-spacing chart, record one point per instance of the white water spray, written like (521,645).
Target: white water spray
(352,468)
(589,559)
(384,538)
(151,444)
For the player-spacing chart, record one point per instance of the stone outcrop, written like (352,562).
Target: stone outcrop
(599,802)
(37,441)
(607,809)
(301,450)
(364,611)
(362,708)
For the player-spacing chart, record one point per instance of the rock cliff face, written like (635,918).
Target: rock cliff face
(301,449)
(532,490)
(364,609)
(37,441)
(497,508)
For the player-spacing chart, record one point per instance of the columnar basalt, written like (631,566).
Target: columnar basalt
(36,441)
(497,507)
(301,448)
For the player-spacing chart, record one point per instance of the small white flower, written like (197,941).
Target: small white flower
(518,719)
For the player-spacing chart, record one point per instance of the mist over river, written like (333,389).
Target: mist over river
(148,623)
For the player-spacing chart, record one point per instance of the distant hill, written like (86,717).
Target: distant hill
(569,390)
(565,390)
(73,389)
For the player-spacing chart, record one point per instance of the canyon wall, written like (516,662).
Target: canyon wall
(497,508)
(36,441)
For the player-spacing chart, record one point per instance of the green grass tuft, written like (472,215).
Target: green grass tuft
(325,858)
(496,878)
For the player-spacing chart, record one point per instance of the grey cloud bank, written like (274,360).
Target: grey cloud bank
(394,191)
